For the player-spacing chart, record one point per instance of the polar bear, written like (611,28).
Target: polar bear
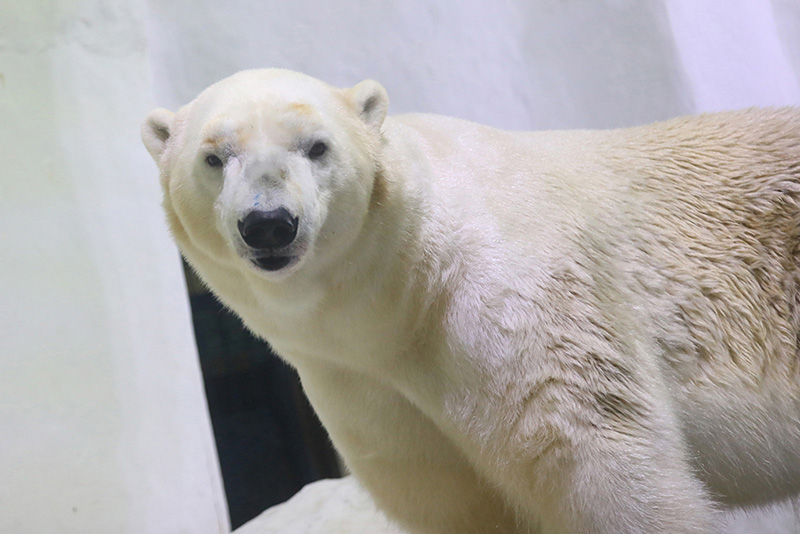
(554,332)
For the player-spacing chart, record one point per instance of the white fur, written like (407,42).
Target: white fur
(558,332)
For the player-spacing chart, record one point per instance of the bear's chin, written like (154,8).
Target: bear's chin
(273,263)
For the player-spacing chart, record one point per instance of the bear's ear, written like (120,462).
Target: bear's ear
(156,131)
(371,102)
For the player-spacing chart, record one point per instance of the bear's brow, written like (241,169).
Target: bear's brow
(214,139)
(226,137)
(217,133)
(301,108)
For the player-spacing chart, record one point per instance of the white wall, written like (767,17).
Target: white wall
(103,422)
(511,63)
(103,426)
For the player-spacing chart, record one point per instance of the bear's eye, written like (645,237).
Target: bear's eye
(213,161)
(317,150)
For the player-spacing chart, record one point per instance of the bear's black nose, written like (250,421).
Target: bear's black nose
(263,230)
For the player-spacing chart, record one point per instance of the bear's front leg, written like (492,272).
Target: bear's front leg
(597,463)
(413,472)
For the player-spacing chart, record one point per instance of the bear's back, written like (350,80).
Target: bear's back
(693,223)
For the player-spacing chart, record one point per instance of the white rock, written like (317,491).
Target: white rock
(338,506)
(341,506)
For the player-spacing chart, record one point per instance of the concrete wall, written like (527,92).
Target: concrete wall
(103,422)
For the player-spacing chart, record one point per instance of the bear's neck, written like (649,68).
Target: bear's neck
(369,307)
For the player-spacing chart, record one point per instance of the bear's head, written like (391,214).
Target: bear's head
(268,169)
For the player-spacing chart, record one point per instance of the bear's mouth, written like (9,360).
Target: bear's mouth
(272,263)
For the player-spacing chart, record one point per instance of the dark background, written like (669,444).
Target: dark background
(270,442)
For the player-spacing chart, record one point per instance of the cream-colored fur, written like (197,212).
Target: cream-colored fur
(557,332)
